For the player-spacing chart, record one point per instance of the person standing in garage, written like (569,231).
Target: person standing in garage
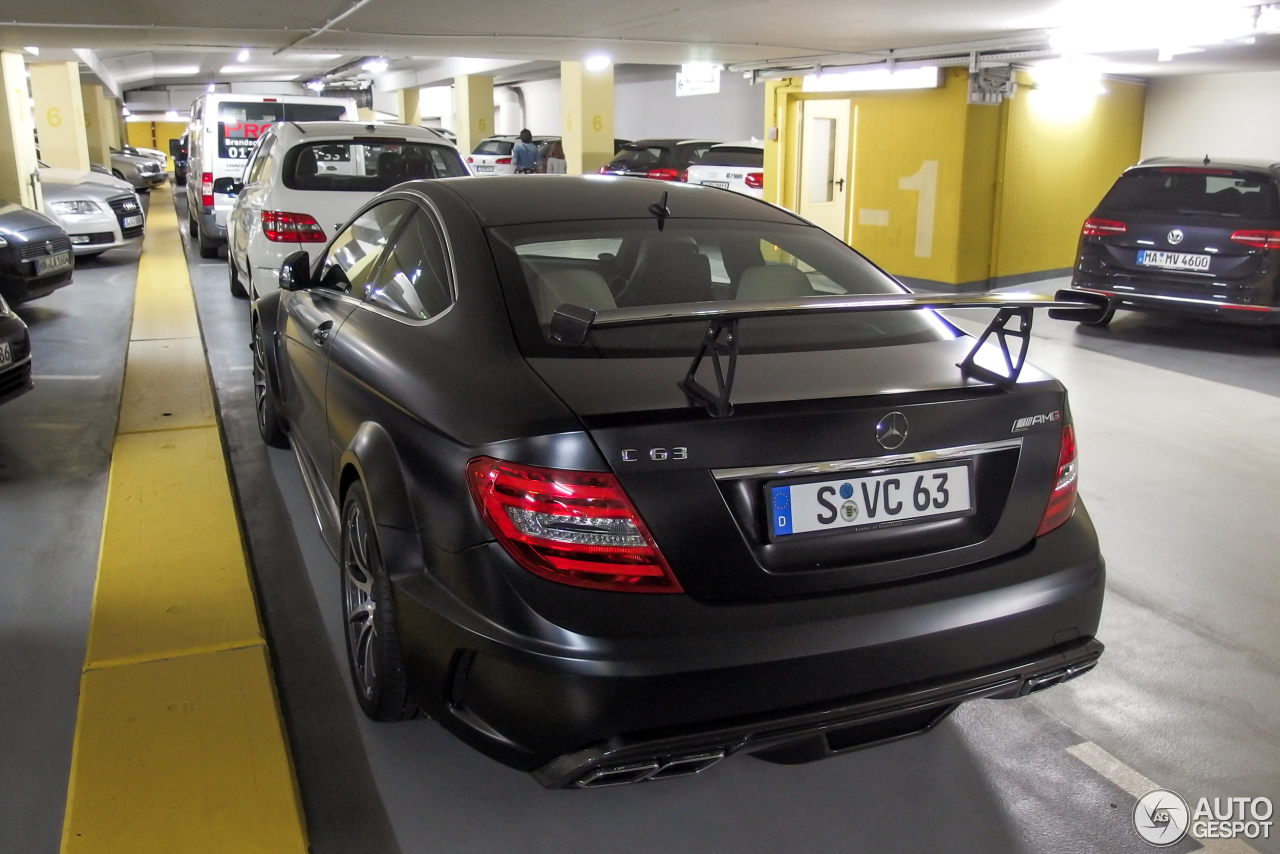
(524,156)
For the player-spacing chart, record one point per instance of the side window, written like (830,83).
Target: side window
(415,279)
(257,169)
(351,259)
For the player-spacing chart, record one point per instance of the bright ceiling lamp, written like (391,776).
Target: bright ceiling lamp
(315,85)
(243,55)
(597,62)
(375,66)
(33,50)
(1066,89)
(1172,27)
(873,79)
(172,116)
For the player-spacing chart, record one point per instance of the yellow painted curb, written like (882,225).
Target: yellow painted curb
(179,744)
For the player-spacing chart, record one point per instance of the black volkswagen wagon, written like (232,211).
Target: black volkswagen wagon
(1193,237)
(623,478)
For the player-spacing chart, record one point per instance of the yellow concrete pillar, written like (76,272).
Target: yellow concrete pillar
(17,139)
(407,107)
(60,114)
(366,114)
(99,119)
(586,97)
(117,126)
(473,106)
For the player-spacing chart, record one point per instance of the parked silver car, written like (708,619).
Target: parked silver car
(142,172)
(98,212)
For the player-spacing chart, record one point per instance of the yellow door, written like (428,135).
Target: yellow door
(824,164)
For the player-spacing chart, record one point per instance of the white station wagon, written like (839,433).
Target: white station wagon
(305,179)
(736,166)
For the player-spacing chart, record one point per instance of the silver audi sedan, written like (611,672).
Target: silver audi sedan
(98,212)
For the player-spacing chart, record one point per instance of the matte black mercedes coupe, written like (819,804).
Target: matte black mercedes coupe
(625,478)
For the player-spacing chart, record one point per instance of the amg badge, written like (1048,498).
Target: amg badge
(1033,420)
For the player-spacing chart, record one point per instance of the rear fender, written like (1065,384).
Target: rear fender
(371,457)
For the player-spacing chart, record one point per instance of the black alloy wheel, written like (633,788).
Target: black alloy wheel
(264,398)
(373,647)
(233,279)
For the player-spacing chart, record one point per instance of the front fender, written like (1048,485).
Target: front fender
(373,456)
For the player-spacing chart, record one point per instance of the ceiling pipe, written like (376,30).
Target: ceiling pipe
(355,7)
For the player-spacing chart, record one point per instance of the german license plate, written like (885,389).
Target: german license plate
(53,263)
(1174,260)
(6,354)
(887,498)
(484,168)
(724,185)
(131,221)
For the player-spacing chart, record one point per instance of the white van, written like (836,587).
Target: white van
(223,132)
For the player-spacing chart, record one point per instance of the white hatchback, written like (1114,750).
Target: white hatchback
(736,166)
(304,180)
(493,156)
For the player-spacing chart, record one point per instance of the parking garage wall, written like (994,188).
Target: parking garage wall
(1221,115)
(645,105)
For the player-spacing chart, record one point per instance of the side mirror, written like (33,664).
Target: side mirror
(295,272)
(1093,307)
(236,188)
(175,147)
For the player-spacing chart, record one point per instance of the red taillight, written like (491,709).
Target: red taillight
(574,527)
(1258,239)
(1102,227)
(663,174)
(503,161)
(281,227)
(471,160)
(1193,170)
(755,180)
(684,176)
(206,190)
(1062,501)
(604,170)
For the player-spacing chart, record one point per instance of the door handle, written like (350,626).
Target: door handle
(840,184)
(321,333)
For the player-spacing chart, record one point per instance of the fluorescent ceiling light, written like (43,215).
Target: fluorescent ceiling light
(1079,76)
(315,85)
(124,111)
(1115,26)
(172,116)
(320,57)
(375,66)
(243,55)
(34,51)
(597,62)
(213,87)
(252,69)
(874,79)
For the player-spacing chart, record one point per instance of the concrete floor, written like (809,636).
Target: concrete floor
(1176,423)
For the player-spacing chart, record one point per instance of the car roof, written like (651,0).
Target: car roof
(643,143)
(746,143)
(290,132)
(1246,164)
(517,199)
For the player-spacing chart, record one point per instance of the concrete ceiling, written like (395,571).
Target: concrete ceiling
(147,42)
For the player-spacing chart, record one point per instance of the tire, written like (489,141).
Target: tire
(208,248)
(193,230)
(233,279)
(1104,320)
(117,173)
(373,646)
(270,424)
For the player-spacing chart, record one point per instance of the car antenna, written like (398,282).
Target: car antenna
(1206,160)
(660,210)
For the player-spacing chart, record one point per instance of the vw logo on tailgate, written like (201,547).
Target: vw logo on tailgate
(891,432)
(1175,236)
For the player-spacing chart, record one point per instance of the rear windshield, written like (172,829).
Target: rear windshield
(500,147)
(1190,191)
(640,158)
(749,157)
(240,124)
(628,263)
(367,166)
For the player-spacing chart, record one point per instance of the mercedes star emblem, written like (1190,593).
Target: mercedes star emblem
(1175,236)
(891,432)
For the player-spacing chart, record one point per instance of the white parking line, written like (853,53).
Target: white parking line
(67,377)
(1137,785)
(240,368)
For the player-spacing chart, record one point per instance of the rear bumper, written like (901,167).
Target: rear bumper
(1259,315)
(676,678)
(211,228)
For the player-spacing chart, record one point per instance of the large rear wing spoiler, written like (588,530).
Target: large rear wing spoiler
(573,324)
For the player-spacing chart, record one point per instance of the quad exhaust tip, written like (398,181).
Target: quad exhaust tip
(1057,677)
(650,769)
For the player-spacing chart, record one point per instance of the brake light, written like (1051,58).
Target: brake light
(604,170)
(573,527)
(503,160)
(663,174)
(755,180)
(1193,170)
(206,190)
(281,227)
(1062,501)
(684,176)
(1102,227)
(1258,239)
(471,160)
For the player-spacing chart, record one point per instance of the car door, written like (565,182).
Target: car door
(376,356)
(249,205)
(313,317)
